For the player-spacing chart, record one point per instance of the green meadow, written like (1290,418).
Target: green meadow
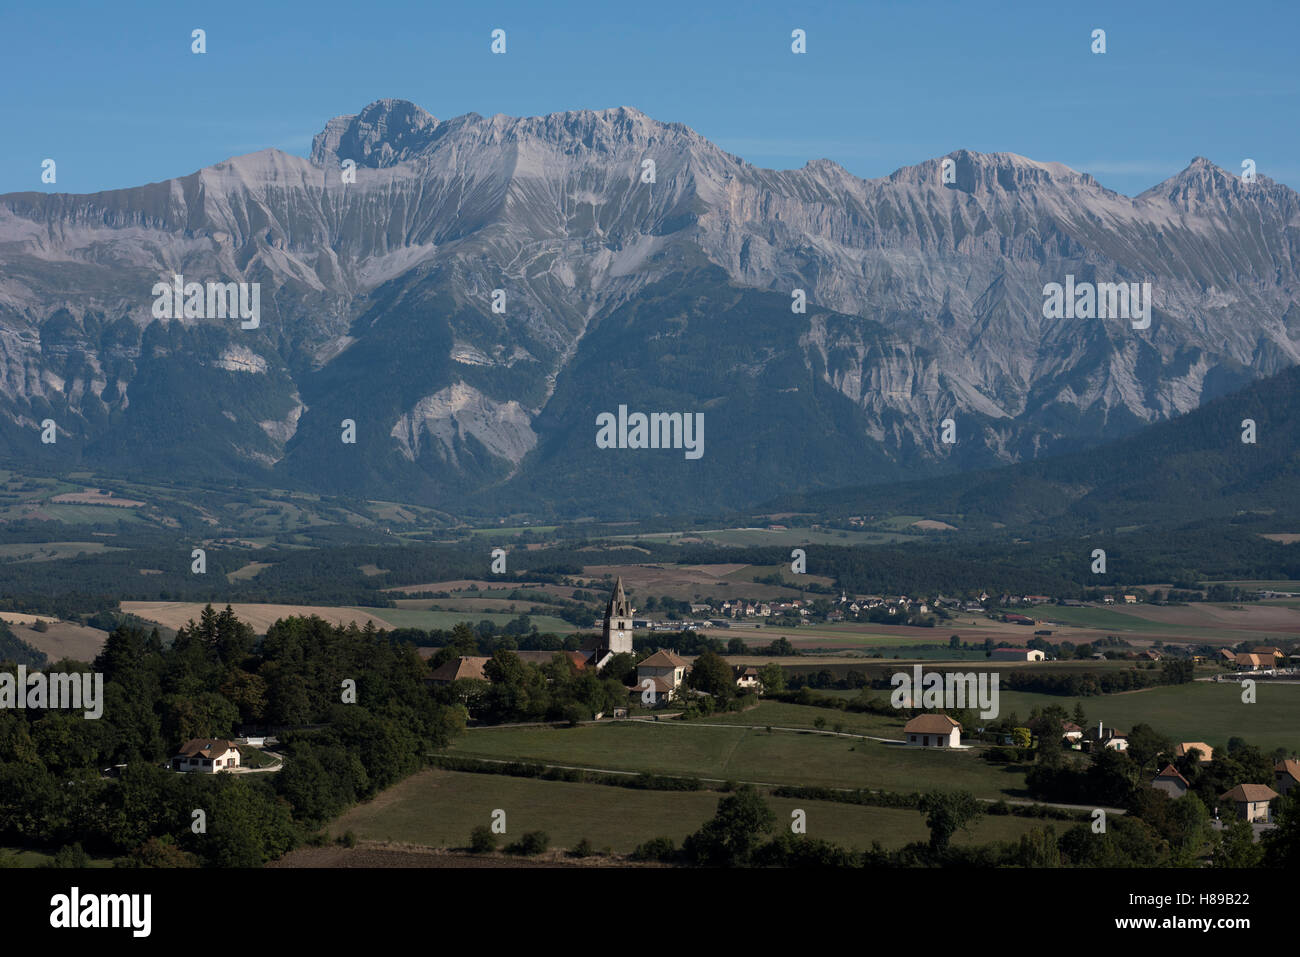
(746,754)
(437,808)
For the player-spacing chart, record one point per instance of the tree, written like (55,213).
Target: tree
(1038,848)
(733,834)
(946,812)
(1189,821)
(713,675)
(772,677)
(160,852)
(781,648)
(1282,843)
(1236,846)
(737,646)
(1145,744)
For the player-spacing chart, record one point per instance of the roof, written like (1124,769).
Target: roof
(1289,766)
(662,659)
(205,748)
(930,724)
(546,657)
(462,667)
(1171,773)
(1249,793)
(1070,726)
(1252,660)
(1225,653)
(661,685)
(1181,749)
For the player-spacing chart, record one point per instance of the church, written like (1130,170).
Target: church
(616,634)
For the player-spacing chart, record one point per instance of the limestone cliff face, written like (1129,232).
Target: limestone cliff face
(924,290)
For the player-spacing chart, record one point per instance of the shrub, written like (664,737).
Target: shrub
(584,848)
(348,839)
(530,844)
(482,840)
(662,849)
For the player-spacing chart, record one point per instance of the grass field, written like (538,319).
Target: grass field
(63,639)
(439,809)
(50,551)
(174,614)
(1105,619)
(1197,711)
(765,536)
(417,618)
(778,714)
(28,858)
(747,754)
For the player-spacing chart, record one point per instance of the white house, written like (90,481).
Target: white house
(665,672)
(1017,654)
(747,679)
(932,731)
(208,755)
(1251,801)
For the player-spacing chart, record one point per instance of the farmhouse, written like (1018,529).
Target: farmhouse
(1104,737)
(458,668)
(1171,782)
(1071,731)
(933,731)
(747,678)
(1017,654)
(1253,662)
(578,658)
(1288,775)
(1251,801)
(1207,753)
(208,755)
(665,672)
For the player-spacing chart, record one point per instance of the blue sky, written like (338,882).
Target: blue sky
(114,95)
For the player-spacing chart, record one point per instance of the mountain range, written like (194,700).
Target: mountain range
(630,263)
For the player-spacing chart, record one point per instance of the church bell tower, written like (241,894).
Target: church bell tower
(617,634)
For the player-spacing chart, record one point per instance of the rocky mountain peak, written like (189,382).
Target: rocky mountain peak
(1210,187)
(976,172)
(385,133)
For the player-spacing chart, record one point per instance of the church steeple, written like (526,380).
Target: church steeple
(617,633)
(618,606)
